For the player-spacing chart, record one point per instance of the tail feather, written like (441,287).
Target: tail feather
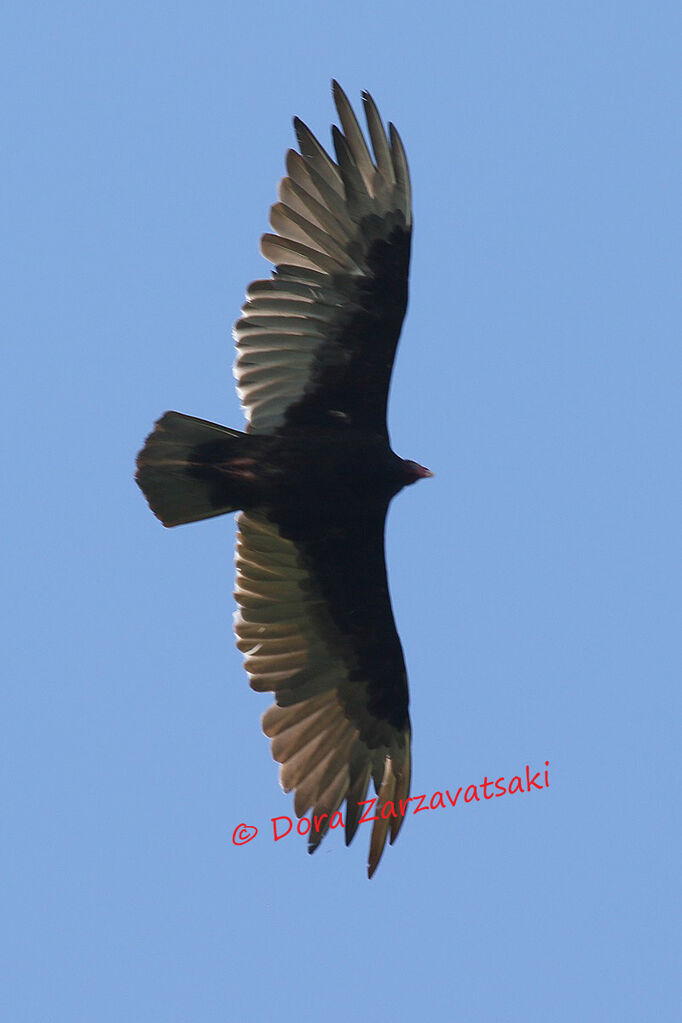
(190,469)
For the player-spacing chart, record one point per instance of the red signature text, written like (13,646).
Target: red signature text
(490,790)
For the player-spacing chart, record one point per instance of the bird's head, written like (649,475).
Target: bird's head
(414,471)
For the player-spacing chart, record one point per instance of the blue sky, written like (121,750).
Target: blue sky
(535,580)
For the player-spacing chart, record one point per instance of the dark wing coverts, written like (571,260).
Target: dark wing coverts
(315,349)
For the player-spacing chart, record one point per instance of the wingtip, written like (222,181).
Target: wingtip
(336,92)
(375,857)
(369,104)
(340,97)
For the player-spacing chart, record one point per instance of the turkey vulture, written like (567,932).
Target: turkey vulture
(313,476)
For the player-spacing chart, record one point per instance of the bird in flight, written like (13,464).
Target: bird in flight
(313,476)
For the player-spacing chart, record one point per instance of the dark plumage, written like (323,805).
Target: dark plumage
(314,475)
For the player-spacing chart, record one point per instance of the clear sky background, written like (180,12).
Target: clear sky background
(535,580)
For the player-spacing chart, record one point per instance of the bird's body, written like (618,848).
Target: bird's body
(314,475)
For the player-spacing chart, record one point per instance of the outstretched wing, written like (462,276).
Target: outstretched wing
(315,345)
(316,628)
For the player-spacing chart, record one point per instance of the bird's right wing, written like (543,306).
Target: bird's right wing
(315,345)
(316,628)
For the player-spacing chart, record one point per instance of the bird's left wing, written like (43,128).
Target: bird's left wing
(316,627)
(315,345)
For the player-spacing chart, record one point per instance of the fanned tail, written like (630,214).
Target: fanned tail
(190,469)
